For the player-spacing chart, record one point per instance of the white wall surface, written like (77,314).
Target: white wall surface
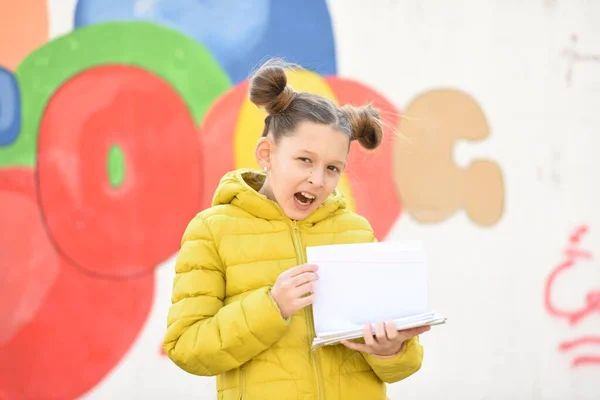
(513,58)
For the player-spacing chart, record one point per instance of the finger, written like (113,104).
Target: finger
(411,333)
(305,301)
(390,330)
(368,335)
(422,329)
(301,269)
(416,331)
(304,278)
(302,290)
(355,346)
(380,332)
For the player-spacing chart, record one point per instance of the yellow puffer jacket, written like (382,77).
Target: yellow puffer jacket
(224,322)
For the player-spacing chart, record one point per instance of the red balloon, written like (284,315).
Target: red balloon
(217,132)
(28,261)
(371,173)
(83,328)
(62,329)
(124,224)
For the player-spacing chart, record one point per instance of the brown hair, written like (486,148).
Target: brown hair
(287,108)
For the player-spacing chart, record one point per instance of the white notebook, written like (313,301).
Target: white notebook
(369,282)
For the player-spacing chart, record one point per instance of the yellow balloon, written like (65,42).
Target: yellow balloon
(251,121)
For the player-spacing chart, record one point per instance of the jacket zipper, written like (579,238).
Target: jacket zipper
(242,383)
(314,355)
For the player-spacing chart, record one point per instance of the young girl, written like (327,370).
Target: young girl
(242,291)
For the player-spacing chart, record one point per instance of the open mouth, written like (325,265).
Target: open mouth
(305,199)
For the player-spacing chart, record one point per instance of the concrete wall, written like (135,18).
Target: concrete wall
(112,136)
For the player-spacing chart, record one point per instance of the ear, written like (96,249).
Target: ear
(263,150)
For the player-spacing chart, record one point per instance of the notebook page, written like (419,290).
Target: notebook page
(367,282)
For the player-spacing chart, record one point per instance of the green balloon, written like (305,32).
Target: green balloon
(187,65)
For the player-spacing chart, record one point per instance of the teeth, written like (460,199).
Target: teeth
(308,195)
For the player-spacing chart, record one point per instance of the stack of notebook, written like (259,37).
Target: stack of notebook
(369,282)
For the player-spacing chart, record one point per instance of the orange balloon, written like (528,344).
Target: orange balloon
(23,28)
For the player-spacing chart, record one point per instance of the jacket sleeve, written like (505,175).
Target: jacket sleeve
(203,336)
(400,366)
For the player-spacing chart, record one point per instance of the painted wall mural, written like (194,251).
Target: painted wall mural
(26,24)
(438,119)
(238,35)
(103,131)
(114,135)
(10,98)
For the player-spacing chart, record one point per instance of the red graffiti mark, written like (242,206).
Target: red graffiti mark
(573,253)
(579,361)
(565,346)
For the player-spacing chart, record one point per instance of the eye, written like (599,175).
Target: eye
(333,168)
(304,159)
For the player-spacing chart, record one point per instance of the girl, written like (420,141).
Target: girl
(241,304)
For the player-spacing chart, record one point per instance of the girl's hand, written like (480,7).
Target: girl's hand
(291,286)
(387,341)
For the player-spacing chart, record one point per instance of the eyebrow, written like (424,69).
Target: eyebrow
(314,154)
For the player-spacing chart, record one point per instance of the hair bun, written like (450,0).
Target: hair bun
(269,89)
(366,125)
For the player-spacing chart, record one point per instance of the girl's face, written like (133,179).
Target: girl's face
(303,168)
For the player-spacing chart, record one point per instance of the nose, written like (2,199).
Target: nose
(316,177)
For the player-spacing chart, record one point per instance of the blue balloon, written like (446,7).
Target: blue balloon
(10,107)
(240,34)
(298,31)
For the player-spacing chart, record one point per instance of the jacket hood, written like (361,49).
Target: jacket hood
(240,188)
